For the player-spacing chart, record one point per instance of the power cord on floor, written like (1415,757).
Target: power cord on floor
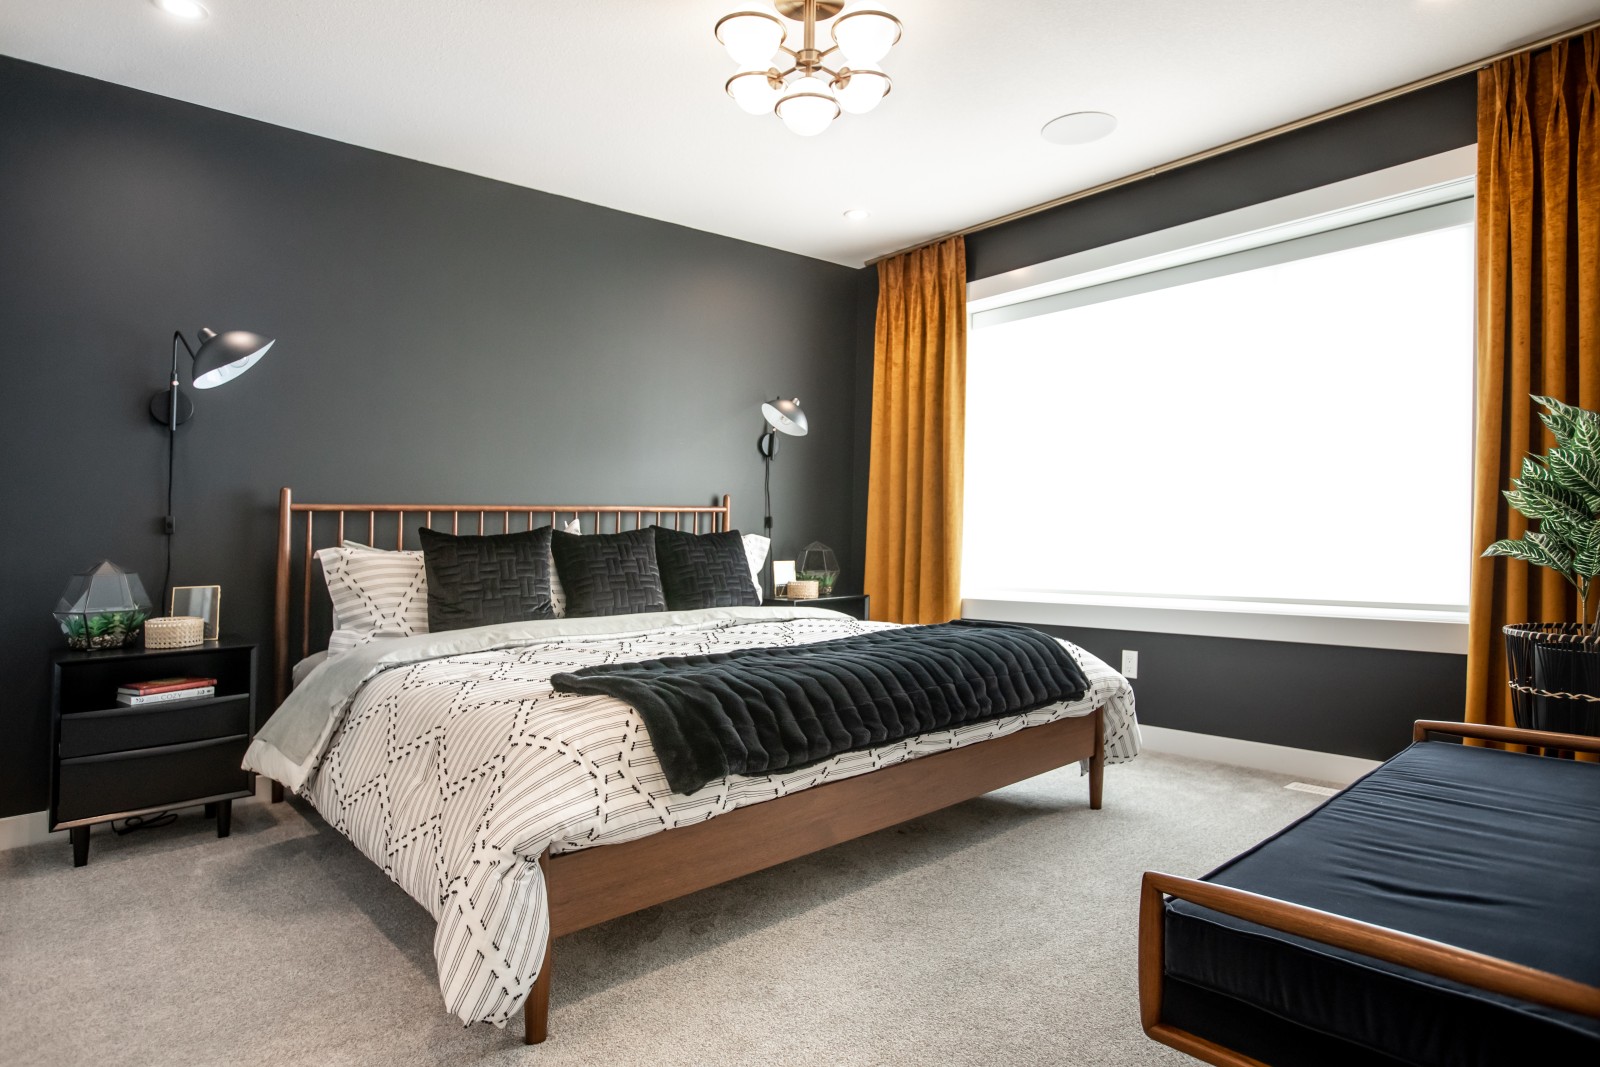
(144,822)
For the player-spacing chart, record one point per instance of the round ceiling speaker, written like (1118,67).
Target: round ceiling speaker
(1080,127)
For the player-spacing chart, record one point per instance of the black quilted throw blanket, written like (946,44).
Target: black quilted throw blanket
(762,710)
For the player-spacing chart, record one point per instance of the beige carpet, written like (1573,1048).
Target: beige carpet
(1001,931)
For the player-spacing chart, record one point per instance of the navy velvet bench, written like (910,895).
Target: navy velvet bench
(1445,909)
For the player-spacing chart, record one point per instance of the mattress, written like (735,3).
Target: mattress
(306,666)
(453,766)
(1492,851)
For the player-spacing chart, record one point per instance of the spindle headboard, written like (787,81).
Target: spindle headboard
(328,525)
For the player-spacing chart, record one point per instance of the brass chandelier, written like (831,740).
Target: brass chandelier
(808,95)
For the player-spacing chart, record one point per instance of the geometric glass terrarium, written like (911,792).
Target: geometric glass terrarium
(817,563)
(104,607)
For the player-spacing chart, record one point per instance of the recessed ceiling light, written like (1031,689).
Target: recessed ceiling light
(858,214)
(1080,127)
(183,9)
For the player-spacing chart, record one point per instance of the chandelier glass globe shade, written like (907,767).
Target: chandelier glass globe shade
(865,88)
(865,37)
(751,39)
(752,92)
(808,107)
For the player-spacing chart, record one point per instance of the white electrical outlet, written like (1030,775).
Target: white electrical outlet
(1130,663)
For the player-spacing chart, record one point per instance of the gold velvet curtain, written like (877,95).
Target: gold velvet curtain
(919,398)
(1538,319)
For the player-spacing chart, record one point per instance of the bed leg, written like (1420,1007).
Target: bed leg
(1097,762)
(536,1009)
(277,792)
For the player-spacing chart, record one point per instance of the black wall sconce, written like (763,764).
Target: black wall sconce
(220,359)
(785,417)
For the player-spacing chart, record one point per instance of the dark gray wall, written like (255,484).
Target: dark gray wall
(1414,126)
(441,337)
(1352,701)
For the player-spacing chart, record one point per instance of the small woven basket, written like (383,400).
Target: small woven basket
(798,590)
(177,631)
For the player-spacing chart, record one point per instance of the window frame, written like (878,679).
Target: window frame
(1411,197)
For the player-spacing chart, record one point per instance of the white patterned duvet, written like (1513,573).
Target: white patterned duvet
(454,774)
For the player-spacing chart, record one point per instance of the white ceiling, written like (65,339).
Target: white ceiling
(620,102)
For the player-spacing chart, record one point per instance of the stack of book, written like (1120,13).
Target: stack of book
(161,689)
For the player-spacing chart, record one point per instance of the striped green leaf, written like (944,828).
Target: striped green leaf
(1576,472)
(1587,562)
(1547,500)
(1532,548)
(1564,419)
(1558,552)
(1586,437)
(1570,535)
(1538,477)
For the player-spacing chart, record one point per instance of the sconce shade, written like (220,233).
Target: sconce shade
(225,356)
(785,416)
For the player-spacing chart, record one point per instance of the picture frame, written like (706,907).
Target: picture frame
(782,575)
(204,601)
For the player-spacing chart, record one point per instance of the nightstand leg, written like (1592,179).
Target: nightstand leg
(80,845)
(224,817)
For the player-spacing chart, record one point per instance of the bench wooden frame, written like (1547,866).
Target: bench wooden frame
(592,885)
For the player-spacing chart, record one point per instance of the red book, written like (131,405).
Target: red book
(163,685)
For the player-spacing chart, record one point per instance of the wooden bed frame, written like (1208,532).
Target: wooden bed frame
(1392,946)
(593,885)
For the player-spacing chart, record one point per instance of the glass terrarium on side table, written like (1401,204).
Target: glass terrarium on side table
(817,563)
(104,607)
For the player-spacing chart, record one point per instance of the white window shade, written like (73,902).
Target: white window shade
(1287,424)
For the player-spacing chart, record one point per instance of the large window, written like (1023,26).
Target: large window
(1288,423)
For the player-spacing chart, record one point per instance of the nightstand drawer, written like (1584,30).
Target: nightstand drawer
(95,787)
(90,733)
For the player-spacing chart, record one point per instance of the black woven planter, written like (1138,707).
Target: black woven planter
(1555,677)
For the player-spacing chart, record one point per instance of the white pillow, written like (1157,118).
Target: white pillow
(558,595)
(374,593)
(756,548)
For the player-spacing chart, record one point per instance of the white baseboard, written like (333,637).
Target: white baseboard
(1279,759)
(34,827)
(29,829)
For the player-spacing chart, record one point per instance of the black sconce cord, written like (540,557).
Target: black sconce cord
(166,578)
(172,447)
(769,447)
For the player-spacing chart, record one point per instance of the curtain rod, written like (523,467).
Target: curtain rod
(1287,127)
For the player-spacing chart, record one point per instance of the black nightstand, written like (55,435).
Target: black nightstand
(856,605)
(109,761)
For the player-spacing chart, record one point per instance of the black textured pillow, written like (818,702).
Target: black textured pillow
(609,574)
(478,580)
(704,570)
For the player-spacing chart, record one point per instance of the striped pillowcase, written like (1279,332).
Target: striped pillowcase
(381,593)
(558,594)
(755,550)
(375,593)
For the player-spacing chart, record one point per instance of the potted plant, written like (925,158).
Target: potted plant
(1555,667)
